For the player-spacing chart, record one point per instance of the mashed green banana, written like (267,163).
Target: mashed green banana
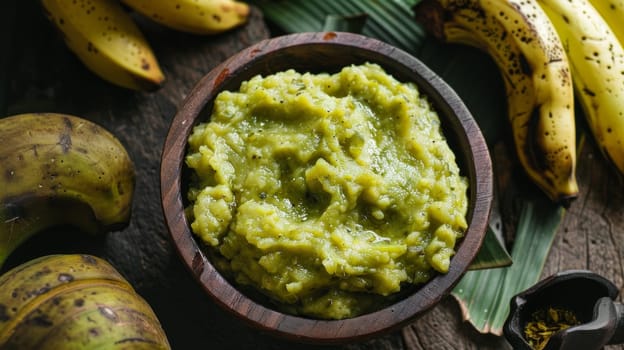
(327,193)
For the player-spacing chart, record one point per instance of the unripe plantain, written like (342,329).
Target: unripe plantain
(74,302)
(60,169)
(597,62)
(540,100)
(107,41)
(202,17)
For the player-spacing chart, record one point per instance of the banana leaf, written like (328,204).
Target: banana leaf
(387,20)
(483,295)
(339,23)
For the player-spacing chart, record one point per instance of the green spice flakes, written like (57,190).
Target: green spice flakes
(545,323)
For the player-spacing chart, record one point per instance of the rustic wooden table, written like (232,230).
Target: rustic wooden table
(42,76)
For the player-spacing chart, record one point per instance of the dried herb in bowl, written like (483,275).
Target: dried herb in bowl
(545,323)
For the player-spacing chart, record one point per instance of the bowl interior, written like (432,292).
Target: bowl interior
(326,52)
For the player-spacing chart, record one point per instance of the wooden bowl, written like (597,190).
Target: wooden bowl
(325,52)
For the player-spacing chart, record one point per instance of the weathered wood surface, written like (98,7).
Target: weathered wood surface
(44,76)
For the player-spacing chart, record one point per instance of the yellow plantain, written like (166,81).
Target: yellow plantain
(540,99)
(74,302)
(597,64)
(202,17)
(107,41)
(60,169)
(613,13)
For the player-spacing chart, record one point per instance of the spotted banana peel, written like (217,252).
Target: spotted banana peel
(597,64)
(60,169)
(106,39)
(74,301)
(521,40)
(202,17)
(612,11)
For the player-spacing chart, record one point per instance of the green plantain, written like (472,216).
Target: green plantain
(74,302)
(60,169)
(540,96)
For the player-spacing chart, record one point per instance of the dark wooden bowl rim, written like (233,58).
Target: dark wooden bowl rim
(325,51)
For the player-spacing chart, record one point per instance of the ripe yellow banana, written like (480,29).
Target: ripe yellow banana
(540,96)
(107,41)
(613,13)
(60,169)
(202,17)
(597,63)
(74,302)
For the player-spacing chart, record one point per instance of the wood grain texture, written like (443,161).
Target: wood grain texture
(44,76)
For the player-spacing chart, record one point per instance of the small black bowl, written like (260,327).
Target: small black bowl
(587,295)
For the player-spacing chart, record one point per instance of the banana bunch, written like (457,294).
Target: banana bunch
(597,63)
(64,302)
(107,40)
(523,43)
(60,169)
